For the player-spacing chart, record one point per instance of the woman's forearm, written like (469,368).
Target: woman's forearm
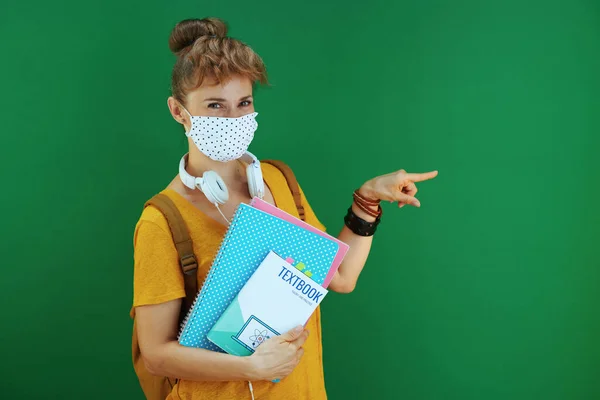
(359,247)
(188,363)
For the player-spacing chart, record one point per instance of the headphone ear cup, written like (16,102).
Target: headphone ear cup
(251,182)
(214,188)
(256,186)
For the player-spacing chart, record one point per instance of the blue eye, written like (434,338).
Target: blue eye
(247,103)
(214,104)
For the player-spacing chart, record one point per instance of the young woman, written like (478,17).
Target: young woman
(212,84)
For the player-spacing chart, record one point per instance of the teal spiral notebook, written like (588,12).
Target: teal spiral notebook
(250,237)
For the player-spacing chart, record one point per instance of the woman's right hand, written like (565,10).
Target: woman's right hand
(277,357)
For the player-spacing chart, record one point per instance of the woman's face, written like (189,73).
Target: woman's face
(232,99)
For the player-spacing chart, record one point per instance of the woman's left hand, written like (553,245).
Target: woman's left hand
(397,186)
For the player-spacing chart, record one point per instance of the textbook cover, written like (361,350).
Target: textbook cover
(276,298)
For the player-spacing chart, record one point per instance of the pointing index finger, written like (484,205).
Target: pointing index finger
(421,177)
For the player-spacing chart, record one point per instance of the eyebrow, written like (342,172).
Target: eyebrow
(220,99)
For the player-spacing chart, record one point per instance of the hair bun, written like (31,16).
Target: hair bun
(186,32)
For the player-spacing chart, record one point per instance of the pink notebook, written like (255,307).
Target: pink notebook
(343,247)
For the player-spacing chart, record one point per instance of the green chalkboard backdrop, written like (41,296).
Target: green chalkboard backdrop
(489,291)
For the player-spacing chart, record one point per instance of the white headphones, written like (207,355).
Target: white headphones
(212,185)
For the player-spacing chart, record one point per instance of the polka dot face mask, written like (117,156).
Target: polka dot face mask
(220,138)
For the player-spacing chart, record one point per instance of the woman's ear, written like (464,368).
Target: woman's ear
(177,111)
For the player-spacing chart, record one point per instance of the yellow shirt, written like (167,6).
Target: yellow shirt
(158,279)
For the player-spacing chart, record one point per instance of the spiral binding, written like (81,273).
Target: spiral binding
(211,272)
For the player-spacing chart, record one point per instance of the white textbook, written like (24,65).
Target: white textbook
(276,298)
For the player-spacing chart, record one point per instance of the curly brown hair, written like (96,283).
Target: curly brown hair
(204,50)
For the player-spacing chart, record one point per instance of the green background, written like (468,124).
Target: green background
(489,291)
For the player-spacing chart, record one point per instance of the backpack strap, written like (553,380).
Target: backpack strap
(184,246)
(292,183)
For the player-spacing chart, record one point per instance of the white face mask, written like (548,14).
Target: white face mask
(223,139)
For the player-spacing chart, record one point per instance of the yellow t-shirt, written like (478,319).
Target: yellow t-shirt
(158,279)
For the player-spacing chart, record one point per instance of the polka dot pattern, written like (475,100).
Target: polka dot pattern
(223,139)
(252,234)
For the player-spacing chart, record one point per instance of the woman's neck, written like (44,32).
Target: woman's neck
(231,172)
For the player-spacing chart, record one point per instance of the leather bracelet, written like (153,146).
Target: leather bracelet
(362,199)
(369,211)
(359,226)
(367,205)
